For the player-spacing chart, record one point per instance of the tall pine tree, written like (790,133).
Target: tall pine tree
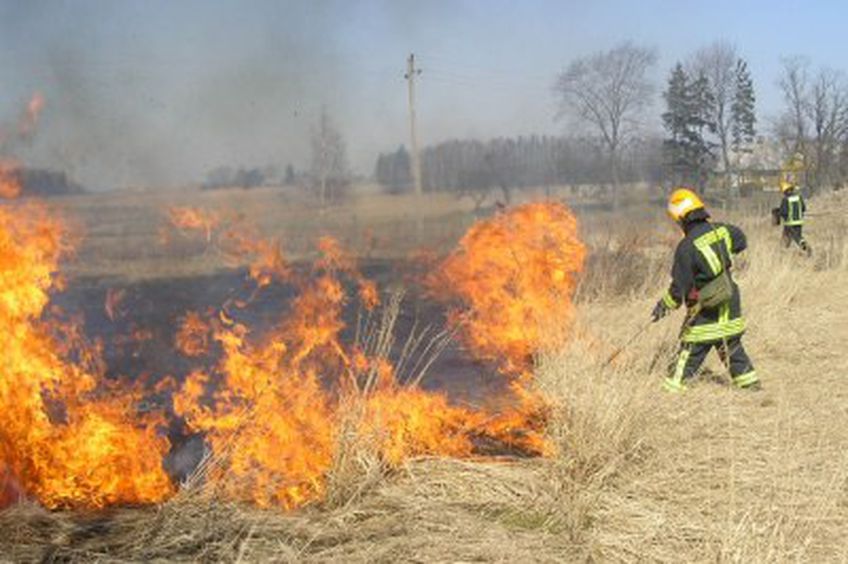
(744,118)
(689,155)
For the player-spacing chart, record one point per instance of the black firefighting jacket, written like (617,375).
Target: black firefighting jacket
(792,208)
(705,252)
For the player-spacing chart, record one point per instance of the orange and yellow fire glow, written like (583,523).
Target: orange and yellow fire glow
(278,421)
(66,438)
(511,281)
(271,404)
(275,416)
(10,178)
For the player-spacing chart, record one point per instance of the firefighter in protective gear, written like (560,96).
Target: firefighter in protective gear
(701,280)
(791,213)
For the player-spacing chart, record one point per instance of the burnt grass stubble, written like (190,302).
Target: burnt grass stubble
(153,308)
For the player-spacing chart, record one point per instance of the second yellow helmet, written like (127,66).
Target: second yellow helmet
(682,202)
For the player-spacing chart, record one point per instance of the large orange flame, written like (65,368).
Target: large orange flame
(65,438)
(275,415)
(274,406)
(511,281)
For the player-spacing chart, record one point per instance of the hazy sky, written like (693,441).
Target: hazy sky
(152,92)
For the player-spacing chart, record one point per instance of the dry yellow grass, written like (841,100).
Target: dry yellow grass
(715,474)
(721,474)
(121,231)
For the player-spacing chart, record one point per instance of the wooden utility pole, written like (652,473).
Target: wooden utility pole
(411,72)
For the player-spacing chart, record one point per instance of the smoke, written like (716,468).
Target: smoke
(161,93)
(138,97)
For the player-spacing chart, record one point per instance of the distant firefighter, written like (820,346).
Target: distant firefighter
(791,213)
(701,279)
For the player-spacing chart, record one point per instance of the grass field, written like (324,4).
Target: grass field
(715,474)
(122,231)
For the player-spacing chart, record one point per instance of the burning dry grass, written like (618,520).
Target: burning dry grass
(294,417)
(712,475)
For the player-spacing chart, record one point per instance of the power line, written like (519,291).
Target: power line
(474,69)
(438,76)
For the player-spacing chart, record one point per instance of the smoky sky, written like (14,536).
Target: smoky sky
(159,93)
(155,92)
(139,94)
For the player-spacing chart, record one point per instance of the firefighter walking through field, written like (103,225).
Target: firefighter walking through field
(791,213)
(702,281)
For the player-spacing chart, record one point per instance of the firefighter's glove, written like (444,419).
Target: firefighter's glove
(660,311)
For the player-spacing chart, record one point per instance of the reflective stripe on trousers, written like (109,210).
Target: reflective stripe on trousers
(675,382)
(721,329)
(745,380)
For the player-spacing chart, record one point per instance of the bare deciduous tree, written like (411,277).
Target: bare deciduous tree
(794,84)
(609,91)
(717,63)
(814,123)
(828,114)
(330,175)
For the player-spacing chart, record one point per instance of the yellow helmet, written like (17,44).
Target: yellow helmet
(681,202)
(786,185)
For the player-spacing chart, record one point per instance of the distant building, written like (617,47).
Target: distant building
(764,168)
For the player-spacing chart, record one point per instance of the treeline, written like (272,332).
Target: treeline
(241,177)
(45,183)
(476,168)
(711,123)
(710,136)
(700,127)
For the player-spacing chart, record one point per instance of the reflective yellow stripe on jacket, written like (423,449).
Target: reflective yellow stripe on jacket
(703,245)
(795,213)
(669,301)
(674,383)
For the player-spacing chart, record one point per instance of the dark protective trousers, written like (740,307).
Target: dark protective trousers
(794,234)
(692,355)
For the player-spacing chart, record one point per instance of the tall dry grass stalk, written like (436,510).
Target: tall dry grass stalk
(358,466)
(599,419)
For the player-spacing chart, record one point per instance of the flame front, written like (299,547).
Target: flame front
(511,281)
(273,405)
(65,437)
(282,400)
